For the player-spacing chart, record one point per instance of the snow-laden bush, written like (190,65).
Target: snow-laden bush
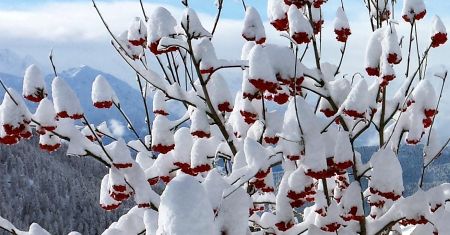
(218,159)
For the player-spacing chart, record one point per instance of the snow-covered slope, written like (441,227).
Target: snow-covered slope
(81,78)
(54,190)
(13,63)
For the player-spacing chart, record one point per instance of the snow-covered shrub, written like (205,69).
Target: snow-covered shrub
(294,114)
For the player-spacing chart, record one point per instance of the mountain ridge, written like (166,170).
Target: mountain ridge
(81,79)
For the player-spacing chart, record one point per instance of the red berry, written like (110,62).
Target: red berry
(103,104)
(373,71)
(342,34)
(301,37)
(281,24)
(163,148)
(438,39)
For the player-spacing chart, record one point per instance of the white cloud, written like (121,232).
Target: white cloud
(66,21)
(117,128)
(75,32)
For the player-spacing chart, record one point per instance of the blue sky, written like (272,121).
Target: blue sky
(232,9)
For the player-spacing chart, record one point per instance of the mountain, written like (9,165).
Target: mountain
(12,63)
(80,79)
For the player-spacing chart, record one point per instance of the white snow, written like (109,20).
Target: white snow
(33,84)
(192,25)
(386,173)
(299,27)
(259,65)
(45,114)
(65,100)
(137,32)
(412,8)
(185,209)
(102,91)
(253,27)
(341,20)
(161,24)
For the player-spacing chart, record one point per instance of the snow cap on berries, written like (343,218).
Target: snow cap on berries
(341,25)
(413,10)
(415,209)
(351,203)
(45,115)
(301,186)
(424,96)
(192,25)
(387,73)
(117,185)
(248,112)
(274,125)
(356,103)
(261,73)
(67,104)
(299,27)
(374,52)
(137,32)
(162,140)
(183,147)
(219,91)
(86,131)
(277,12)
(317,19)
(120,154)
(14,116)
(205,53)
(161,24)
(33,84)
(159,104)
(386,175)
(201,151)
(343,153)
(134,52)
(49,142)
(199,124)
(103,95)
(253,27)
(390,45)
(106,201)
(438,32)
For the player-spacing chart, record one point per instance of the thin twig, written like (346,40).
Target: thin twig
(219,11)
(7,91)
(409,48)
(130,125)
(245,6)
(418,51)
(144,100)
(143,10)
(53,64)
(342,58)
(212,111)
